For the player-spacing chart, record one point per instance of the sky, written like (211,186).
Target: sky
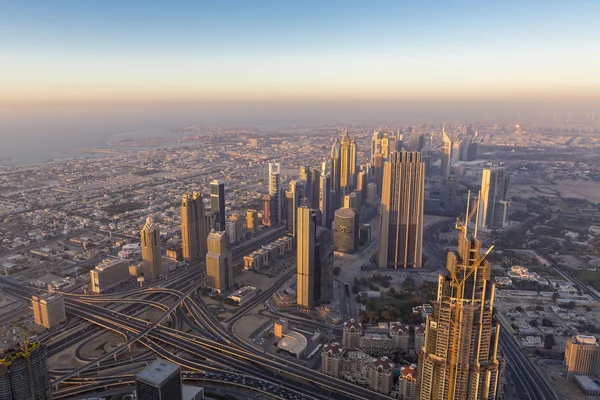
(269,50)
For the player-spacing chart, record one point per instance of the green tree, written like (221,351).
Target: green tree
(534,323)
(549,341)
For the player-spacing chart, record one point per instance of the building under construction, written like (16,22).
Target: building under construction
(24,373)
(459,357)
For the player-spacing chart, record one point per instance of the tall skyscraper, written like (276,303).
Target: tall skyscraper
(402,208)
(24,373)
(494,185)
(307,262)
(48,309)
(252,221)
(160,380)
(353,156)
(417,142)
(325,199)
(458,359)
(306,176)
(275,191)
(335,174)
(446,154)
(269,210)
(219,261)
(151,257)
(345,178)
(375,145)
(293,197)
(217,204)
(194,229)
(316,186)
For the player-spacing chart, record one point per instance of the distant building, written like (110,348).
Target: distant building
(402,210)
(219,261)
(308,262)
(275,192)
(24,373)
(194,229)
(492,211)
(151,257)
(446,154)
(109,273)
(582,356)
(252,221)
(48,309)
(345,237)
(161,380)
(243,294)
(217,204)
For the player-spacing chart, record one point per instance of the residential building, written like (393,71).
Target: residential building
(24,373)
(381,375)
(275,191)
(48,309)
(351,334)
(331,359)
(407,382)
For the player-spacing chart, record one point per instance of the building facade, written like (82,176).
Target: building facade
(582,356)
(217,204)
(194,229)
(24,373)
(48,309)
(345,236)
(307,261)
(151,257)
(219,262)
(402,209)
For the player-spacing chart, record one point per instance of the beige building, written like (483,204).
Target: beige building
(400,335)
(306,293)
(407,382)
(219,261)
(356,367)
(194,227)
(252,221)
(331,359)
(151,258)
(48,309)
(280,328)
(419,337)
(376,344)
(581,356)
(108,273)
(351,334)
(381,375)
(402,208)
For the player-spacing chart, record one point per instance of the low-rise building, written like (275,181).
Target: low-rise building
(108,274)
(243,294)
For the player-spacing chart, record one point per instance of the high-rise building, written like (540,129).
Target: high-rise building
(160,380)
(353,156)
(293,197)
(307,261)
(48,309)
(458,358)
(352,201)
(306,176)
(446,154)
(252,221)
(219,261)
(335,160)
(494,186)
(375,145)
(345,173)
(378,165)
(275,191)
(381,375)
(582,356)
(325,200)
(24,373)
(217,204)
(194,229)
(151,257)
(345,236)
(402,208)
(269,209)
(417,142)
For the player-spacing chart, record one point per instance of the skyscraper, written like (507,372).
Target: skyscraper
(151,257)
(494,185)
(194,229)
(582,356)
(252,221)
(275,191)
(375,145)
(217,204)
(24,373)
(325,199)
(219,261)
(446,154)
(417,142)
(335,174)
(48,309)
(458,359)
(402,207)
(306,176)
(345,236)
(307,262)
(316,186)
(160,380)
(269,210)
(345,177)
(293,197)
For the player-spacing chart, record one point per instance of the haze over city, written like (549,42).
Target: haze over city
(299,200)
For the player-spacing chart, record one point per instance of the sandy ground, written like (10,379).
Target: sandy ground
(579,189)
(246,326)
(262,282)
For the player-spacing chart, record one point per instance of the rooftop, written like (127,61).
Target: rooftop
(158,372)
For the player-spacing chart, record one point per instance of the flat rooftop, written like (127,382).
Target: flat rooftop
(158,372)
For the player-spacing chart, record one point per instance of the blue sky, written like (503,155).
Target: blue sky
(115,50)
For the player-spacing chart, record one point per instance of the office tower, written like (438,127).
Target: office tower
(306,176)
(455,154)
(108,274)
(160,380)
(378,165)
(236,232)
(345,236)
(293,197)
(353,162)
(417,142)
(219,261)
(252,221)
(582,356)
(385,146)
(48,309)
(458,358)
(275,191)
(308,273)
(494,186)
(426,159)
(194,230)
(371,192)
(151,258)
(335,174)
(24,373)
(446,154)
(345,173)
(402,207)
(361,181)
(217,203)
(325,200)
(269,210)
(376,145)
(316,188)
